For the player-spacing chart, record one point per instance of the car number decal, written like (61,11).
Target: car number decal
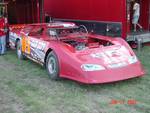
(26,45)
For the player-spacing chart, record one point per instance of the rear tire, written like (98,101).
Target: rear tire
(19,51)
(52,66)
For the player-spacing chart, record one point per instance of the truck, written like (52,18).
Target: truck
(105,17)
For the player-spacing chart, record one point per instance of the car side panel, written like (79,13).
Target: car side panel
(13,37)
(36,49)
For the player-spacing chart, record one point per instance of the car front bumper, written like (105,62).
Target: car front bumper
(111,75)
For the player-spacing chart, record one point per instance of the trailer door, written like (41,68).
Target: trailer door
(144,19)
(23,11)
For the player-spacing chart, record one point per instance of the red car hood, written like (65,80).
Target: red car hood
(108,57)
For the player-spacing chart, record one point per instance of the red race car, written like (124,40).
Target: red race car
(69,51)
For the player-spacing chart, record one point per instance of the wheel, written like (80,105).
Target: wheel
(19,51)
(133,44)
(52,66)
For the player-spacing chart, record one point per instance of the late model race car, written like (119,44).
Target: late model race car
(69,51)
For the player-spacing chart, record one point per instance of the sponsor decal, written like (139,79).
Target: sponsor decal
(112,56)
(37,49)
(37,44)
(14,35)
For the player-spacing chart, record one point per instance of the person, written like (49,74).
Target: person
(3,30)
(136,15)
(2,37)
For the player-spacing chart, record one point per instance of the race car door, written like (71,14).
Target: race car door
(34,45)
(26,40)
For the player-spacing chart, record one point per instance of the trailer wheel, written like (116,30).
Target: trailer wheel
(52,66)
(19,51)
(134,45)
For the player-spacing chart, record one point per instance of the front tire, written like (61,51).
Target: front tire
(52,66)
(19,51)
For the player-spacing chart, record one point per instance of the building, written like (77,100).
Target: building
(107,17)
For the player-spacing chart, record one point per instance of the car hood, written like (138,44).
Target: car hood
(109,57)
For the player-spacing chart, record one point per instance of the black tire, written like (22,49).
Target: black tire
(19,52)
(52,66)
(134,45)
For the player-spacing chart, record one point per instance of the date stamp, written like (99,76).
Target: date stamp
(121,102)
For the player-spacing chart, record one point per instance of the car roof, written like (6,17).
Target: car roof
(56,25)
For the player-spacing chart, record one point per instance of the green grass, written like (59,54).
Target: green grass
(26,88)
